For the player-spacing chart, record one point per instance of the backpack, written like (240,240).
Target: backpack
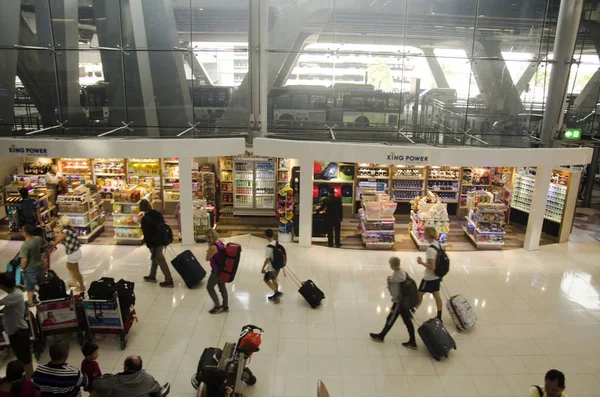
(279,256)
(164,235)
(103,289)
(27,213)
(53,288)
(230,261)
(410,296)
(442,262)
(126,296)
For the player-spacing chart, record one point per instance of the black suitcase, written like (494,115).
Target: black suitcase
(189,268)
(103,289)
(209,361)
(437,340)
(311,293)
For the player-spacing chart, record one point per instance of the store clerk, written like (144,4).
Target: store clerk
(52,179)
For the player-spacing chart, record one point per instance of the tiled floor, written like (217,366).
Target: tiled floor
(537,310)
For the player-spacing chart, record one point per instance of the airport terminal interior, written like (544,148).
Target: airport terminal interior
(393,124)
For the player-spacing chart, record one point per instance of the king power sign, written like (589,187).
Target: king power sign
(407,159)
(15,150)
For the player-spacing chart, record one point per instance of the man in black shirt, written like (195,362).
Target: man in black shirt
(334,213)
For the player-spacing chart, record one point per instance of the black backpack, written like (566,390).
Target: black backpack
(53,288)
(410,296)
(103,289)
(126,295)
(442,262)
(164,235)
(279,256)
(27,213)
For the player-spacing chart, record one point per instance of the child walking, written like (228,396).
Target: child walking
(89,365)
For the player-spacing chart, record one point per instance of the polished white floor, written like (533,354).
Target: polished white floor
(537,310)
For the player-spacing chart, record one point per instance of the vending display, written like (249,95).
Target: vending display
(226,182)
(170,180)
(254,186)
(84,209)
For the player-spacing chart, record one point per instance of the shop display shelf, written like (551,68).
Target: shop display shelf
(407,178)
(409,190)
(442,191)
(373,177)
(443,180)
(74,213)
(108,174)
(245,194)
(483,244)
(473,184)
(520,208)
(171,161)
(331,181)
(86,239)
(129,238)
(128,226)
(364,231)
(381,246)
(383,218)
(421,245)
(552,219)
(265,194)
(481,231)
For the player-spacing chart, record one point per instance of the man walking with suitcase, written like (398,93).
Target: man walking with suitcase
(271,267)
(403,300)
(151,221)
(431,281)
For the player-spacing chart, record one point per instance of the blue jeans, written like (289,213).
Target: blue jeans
(33,277)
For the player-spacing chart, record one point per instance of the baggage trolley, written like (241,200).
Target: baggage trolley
(234,360)
(34,334)
(58,316)
(104,317)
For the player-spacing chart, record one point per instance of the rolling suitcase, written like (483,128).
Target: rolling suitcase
(435,337)
(189,268)
(462,312)
(460,309)
(308,290)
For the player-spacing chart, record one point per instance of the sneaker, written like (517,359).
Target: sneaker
(224,309)
(167,284)
(278,294)
(150,279)
(410,345)
(215,310)
(376,337)
(272,297)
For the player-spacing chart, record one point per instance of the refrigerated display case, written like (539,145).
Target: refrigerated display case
(254,186)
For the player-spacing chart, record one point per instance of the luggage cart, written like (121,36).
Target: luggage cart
(34,334)
(58,316)
(104,317)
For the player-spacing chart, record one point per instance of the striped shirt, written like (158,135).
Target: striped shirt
(60,380)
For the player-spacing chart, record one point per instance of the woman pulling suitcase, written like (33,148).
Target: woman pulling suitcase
(215,256)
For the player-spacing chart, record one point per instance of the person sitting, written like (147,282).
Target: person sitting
(132,382)
(57,378)
(15,385)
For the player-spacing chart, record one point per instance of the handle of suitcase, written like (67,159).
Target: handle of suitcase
(293,276)
(445,290)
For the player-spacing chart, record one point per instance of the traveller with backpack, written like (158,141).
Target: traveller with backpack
(27,209)
(275,260)
(404,298)
(216,255)
(157,235)
(436,266)
(69,237)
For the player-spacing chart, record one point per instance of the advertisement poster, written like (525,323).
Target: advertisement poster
(102,315)
(57,315)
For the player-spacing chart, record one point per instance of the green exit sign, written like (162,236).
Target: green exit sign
(573,134)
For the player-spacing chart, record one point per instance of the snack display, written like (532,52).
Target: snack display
(407,183)
(83,208)
(127,219)
(170,180)
(377,224)
(428,211)
(485,220)
(474,179)
(444,182)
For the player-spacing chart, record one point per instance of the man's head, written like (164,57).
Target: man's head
(554,383)
(269,234)
(59,352)
(7,282)
(133,364)
(331,191)
(28,231)
(53,169)
(395,263)
(431,233)
(24,192)
(90,350)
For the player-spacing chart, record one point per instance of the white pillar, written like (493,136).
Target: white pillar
(263,43)
(306,199)
(185,200)
(538,208)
